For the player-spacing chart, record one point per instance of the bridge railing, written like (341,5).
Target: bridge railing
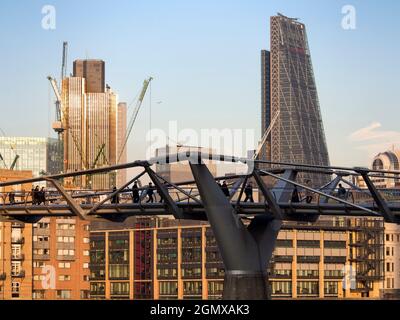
(53,197)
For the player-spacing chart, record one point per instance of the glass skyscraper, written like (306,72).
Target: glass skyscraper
(40,155)
(288,87)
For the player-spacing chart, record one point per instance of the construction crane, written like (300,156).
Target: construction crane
(14,163)
(134,115)
(4,162)
(101,152)
(57,125)
(64,61)
(265,136)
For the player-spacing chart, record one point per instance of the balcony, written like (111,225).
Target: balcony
(18,274)
(17,225)
(19,256)
(18,240)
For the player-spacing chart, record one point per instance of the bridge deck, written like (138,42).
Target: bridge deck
(192,210)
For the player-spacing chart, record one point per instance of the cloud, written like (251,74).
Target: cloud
(373,139)
(370,133)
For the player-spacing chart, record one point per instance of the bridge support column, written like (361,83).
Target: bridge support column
(245,250)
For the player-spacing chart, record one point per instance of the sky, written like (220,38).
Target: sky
(204,57)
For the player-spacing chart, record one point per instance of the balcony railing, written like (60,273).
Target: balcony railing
(19,240)
(18,274)
(19,256)
(17,225)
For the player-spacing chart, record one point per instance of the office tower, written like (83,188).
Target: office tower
(90,119)
(153,258)
(298,134)
(121,133)
(39,155)
(94,73)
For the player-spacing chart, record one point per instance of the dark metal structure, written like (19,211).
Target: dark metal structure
(245,232)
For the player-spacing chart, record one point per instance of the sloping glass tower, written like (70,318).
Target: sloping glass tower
(288,87)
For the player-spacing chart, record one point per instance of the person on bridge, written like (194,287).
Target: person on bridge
(342,192)
(295,195)
(41,196)
(165,185)
(135,193)
(35,195)
(248,191)
(225,189)
(150,193)
(115,198)
(11,197)
(309,195)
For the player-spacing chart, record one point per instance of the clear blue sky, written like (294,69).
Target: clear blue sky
(205,58)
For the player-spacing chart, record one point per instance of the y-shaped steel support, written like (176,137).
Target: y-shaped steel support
(245,251)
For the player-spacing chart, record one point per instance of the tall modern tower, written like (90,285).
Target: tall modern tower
(93,119)
(93,71)
(288,87)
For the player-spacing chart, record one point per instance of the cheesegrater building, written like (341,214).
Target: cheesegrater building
(288,88)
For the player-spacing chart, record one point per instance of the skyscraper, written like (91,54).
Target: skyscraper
(94,73)
(90,117)
(288,87)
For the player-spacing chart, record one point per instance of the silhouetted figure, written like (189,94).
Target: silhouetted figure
(135,193)
(115,197)
(11,197)
(342,192)
(150,193)
(41,196)
(295,195)
(35,195)
(309,195)
(248,191)
(166,189)
(225,189)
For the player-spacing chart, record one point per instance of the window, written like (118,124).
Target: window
(85,294)
(86,240)
(38,294)
(15,288)
(64,277)
(169,288)
(64,265)
(282,288)
(120,288)
(63,294)
(331,287)
(38,264)
(86,266)
(65,252)
(307,287)
(85,252)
